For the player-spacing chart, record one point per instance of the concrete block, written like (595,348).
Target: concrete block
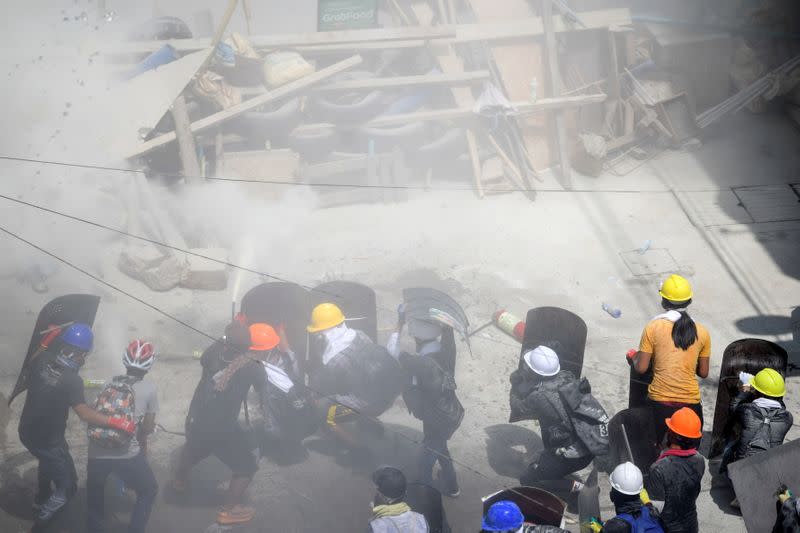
(205,274)
(147,264)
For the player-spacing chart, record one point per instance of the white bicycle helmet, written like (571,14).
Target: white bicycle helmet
(139,355)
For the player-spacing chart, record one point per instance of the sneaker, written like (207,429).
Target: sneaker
(238,514)
(452,493)
(49,508)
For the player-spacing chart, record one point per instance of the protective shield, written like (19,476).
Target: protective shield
(279,303)
(538,506)
(547,324)
(744,355)
(427,501)
(641,434)
(756,479)
(60,311)
(436,306)
(638,384)
(589,502)
(357,302)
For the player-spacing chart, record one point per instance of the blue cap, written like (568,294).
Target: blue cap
(80,336)
(503,516)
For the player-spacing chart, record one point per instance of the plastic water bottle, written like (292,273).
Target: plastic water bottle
(645,246)
(616,313)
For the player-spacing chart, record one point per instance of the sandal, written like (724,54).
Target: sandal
(238,514)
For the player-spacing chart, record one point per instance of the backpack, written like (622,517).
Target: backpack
(588,418)
(644,523)
(116,399)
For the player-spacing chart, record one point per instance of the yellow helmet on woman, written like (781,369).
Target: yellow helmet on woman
(676,289)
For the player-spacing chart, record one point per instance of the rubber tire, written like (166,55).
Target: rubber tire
(314,146)
(347,108)
(257,127)
(386,138)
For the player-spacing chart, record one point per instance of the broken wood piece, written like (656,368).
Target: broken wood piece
(283,91)
(476,162)
(402,82)
(461,113)
(354,38)
(187,148)
(555,90)
(630,117)
(519,180)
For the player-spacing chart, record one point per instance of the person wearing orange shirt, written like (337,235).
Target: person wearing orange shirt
(678,349)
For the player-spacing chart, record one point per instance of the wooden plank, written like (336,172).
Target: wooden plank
(614,90)
(534,26)
(460,113)
(188,150)
(399,82)
(351,37)
(476,162)
(555,90)
(289,89)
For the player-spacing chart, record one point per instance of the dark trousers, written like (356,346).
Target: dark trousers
(662,411)
(136,474)
(57,480)
(549,470)
(434,448)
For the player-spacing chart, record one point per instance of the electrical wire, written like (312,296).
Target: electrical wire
(352,185)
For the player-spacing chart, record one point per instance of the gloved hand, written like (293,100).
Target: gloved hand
(401,315)
(644,496)
(784,494)
(122,424)
(630,355)
(595,525)
(51,333)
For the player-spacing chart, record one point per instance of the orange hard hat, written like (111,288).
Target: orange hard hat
(685,423)
(263,337)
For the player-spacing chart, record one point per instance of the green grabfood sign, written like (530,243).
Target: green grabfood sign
(346,14)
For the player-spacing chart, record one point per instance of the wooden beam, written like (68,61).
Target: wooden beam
(290,89)
(614,91)
(534,26)
(403,82)
(477,172)
(555,90)
(355,38)
(459,113)
(188,150)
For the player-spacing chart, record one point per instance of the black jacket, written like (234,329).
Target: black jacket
(363,376)
(788,516)
(676,481)
(535,397)
(750,417)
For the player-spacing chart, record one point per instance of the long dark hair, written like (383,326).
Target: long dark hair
(684,331)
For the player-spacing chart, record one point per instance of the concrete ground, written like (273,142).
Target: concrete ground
(570,249)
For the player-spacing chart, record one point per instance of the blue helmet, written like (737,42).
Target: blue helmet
(80,336)
(503,516)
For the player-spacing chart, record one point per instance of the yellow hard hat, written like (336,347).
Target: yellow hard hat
(676,289)
(769,383)
(325,316)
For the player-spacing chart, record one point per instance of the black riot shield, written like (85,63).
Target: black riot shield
(756,479)
(280,303)
(427,501)
(537,505)
(436,306)
(547,324)
(60,311)
(357,302)
(641,433)
(638,384)
(589,502)
(744,355)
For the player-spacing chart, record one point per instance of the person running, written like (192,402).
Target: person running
(674,482)
(213,422)
(127,461)
(677,349)
(390,512)
(54,387)
(634,511)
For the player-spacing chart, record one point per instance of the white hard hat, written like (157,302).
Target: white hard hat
(543,361)
(627,479)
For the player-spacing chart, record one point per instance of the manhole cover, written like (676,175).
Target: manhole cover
(770,203)
(653,261)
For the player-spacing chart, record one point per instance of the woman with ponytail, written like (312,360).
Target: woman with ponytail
(677,349)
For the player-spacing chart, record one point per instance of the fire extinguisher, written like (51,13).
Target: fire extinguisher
(510,323)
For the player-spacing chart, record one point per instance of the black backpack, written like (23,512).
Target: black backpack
(588,418)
